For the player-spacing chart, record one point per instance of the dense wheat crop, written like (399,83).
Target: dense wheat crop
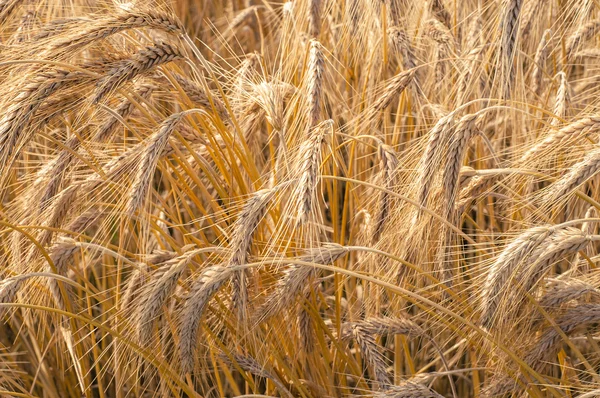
(312,198)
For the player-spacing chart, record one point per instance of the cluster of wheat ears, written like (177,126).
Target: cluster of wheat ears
(311,198)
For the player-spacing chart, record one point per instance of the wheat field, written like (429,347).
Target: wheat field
(311,198)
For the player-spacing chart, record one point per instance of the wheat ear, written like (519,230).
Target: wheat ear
(508,38)
(561,103)
(241,240)
(118,23)
(563,136)
(308,166)
(150,156)
(389,164)
(314,18)
(203,288)
(574,319)
(401,43)
(408,390)
(539,62)
(316,64)
(581,35)
(393,87)
(578,174)
(142,62)
(249,364)
(562,291)
(294,279)
(155,295)
(530,13)
(125,108)
(505,266)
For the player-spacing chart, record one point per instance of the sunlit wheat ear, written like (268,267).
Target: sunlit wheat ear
(580,36)
(308,162)
(402,46)
(61,253)
(142,62)
(371,353)
(138,278)
(203,288)
(394,86)
(8,292)
(125,108)
(575,319)
(561,103)
(582,265)
(51,176)
(539,63)
(508,27)
(504,267)
(389,164)
(57,212)
(465,129)
(441,13)
(432,157)
(295,277)
(107,27)
(249,364)
(577,175)
(562,291)
(562,137)
(500,386)
(471,64)
(389,325)
(538,264)
(7,7)
(241,241)
(440,34)
(13,134)
(84,221)
(314,18)
(445,44)
(314,83)
(530,15)
(408,389)
(149,159)
(156,294)
(306,327)
(476,187)
(198,96)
